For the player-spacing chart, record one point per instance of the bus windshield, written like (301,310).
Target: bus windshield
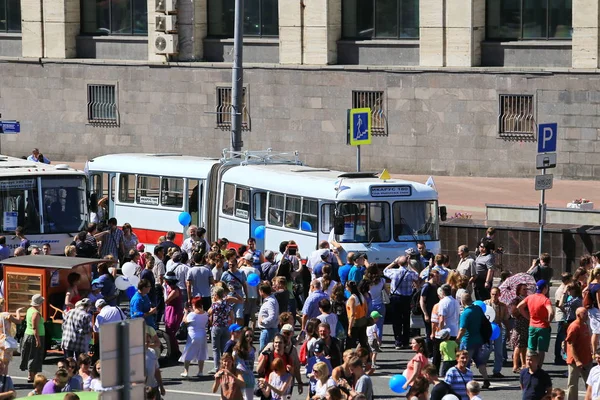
(415,220)
(64,202)
(365,222)
(65,205)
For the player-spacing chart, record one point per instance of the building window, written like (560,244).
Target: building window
(261,18)
(380,19)
(10,16)
(376,102)
(114,17)
(529,19)
(224,109)
(516,116)
(102,104)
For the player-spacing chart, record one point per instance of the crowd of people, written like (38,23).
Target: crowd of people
(283,311)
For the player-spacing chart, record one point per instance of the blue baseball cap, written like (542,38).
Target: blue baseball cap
(235,328)
(541,284)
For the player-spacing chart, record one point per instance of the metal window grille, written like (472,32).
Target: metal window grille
(516,118)
(376,102)
(224,109)
(102,104)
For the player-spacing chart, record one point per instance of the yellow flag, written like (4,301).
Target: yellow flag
(385,175)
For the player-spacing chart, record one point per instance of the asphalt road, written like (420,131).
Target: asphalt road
(391,362)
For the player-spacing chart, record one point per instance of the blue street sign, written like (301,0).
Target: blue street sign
(360,126)
(10,127)
(547,137)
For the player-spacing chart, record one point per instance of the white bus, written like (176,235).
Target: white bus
(234,196)
(48,201)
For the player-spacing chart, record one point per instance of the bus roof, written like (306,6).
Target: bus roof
(18,167)
(175,165)
(322,183)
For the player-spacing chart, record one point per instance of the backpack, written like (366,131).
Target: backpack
(303,354)
(588,300)
(486,327)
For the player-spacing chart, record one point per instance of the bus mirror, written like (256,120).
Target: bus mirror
(338,225)
(443,213)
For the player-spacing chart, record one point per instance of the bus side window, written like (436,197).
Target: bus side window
(126,188)
(309,215)
(275,209)
(242,203)
(259,206)
(148,190)
(228,198)
(292,212)
(172,193)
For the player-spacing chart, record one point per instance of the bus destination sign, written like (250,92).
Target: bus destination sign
(391,191)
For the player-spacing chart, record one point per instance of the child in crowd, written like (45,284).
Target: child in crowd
(364,355)
(95,294)
(38,385)
(558,394)
(374,337)
(448,351)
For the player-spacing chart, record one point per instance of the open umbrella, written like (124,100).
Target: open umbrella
(508,288)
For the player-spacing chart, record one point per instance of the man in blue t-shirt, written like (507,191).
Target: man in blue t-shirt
(535,382)
(357,272)
(344,270)
(469,336)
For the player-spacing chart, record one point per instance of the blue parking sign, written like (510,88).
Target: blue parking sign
(547,137)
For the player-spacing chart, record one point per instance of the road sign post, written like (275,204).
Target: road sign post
(123,359)
(359,130)
(546,158)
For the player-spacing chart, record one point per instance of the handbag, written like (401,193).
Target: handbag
(385,297)
(182,331)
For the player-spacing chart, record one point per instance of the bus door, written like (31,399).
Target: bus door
(99,188)
(112,189)
(195,202)
(259,209)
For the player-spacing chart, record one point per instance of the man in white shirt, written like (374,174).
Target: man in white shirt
(449,312)
(593,381)
(195,241)
(35,156)
(107,314)
(473,390)
(466,266)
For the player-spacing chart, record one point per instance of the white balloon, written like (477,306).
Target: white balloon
(450,397)
(134,280)
(122,282)
(490,313)
(129,269)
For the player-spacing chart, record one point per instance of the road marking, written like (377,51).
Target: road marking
(195,393)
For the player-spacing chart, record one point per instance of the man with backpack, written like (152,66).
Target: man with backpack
(537,308)
(474,335)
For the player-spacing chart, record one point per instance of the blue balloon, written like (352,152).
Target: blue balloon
(306,226)
(130,292)
(481,305)
(396,384)
(185,218)
(259,232)
(253,280)
(495,331)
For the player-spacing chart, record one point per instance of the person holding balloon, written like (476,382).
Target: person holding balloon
(416,364)
(497,313)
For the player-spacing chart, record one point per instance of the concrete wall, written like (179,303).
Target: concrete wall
(439,121)
(526,54)
(255,50)
(378,52)
(113,47)
(10,45)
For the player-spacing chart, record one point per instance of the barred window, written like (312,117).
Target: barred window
(516,118)
(102,104)
(376,102)
(224,109)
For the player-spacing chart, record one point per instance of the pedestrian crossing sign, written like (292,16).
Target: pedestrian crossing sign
(359,126)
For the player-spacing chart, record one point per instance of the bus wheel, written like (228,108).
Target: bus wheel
(165,345)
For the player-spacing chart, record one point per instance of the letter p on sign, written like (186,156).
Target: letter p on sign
(547,136)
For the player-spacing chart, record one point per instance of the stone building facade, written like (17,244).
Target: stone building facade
(455,86)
